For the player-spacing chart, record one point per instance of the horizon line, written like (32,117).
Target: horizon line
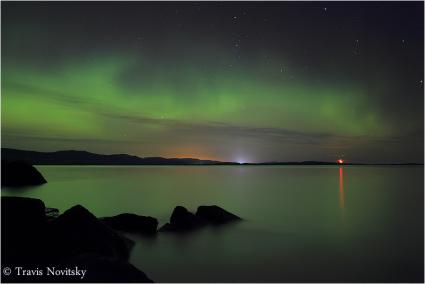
(231,162)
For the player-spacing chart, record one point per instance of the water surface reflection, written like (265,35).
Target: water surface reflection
(341,189)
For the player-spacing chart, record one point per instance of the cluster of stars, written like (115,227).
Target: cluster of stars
(241,36)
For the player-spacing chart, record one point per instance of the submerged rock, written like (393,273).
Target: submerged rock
(132,223)
(215,215)
(182,220)
(78,231)
(16,174)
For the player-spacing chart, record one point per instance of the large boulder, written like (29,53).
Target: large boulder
(16,174)
(23,226)
(34,238)
(215,215)
(132,223)
(78,231)
(182,220)
(22,212)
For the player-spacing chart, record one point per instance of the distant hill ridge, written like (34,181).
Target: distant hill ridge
(74,157)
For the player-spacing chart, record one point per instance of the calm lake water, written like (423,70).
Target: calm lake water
(302,223)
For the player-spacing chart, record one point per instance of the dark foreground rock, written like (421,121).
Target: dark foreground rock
(78,231)
(22,229)
(182,220)
(75,238)
(16,174)
(216,215)
(132,223)
(109,270)
(86,268)
(22,212)
(51,213)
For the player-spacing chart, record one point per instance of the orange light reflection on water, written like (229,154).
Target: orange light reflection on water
(341,188)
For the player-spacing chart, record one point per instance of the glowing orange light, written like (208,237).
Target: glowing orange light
(340,161)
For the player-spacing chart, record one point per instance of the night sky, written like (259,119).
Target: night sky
(231,81)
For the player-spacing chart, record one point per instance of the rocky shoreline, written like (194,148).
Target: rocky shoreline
(37,240)
(41,245)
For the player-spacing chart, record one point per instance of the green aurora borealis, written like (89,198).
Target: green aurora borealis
(179,85)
